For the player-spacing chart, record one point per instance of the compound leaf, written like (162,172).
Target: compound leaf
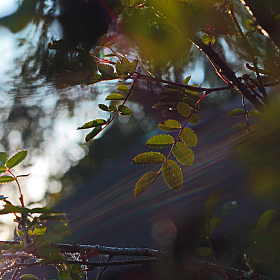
(188,136)
(160,141)
(172,175)
(169,125)
(150,157)
(93,133)
(144,182)
(183,153)
(16,159)
(94,123)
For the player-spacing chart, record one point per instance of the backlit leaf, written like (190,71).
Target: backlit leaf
(183,153)
(144,182)
(169,125)
(3,158)
(160,141)
(3,169)
(250,24)
(237,112)
(188,136)
(255,113)
(208,39)
(240,126)
(194,119)
(93,133)
(172,175)
(150,157)
(29,277)
(187,79)
(104,107)
(124,68)
(16,159)
(6,179)
(113,108)
(124,110)
(39,231)
(94,123)
(203,251)
(115,96)
(122,88)
(184,109)
(265,219)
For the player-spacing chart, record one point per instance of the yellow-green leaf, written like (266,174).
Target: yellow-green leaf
(184,109)
(240,126)
(160,141)
(93,133)
(16,159)
(237,112)
(94,123)
(188,136)
(3,169)
(144,182)
(194,119)
(255,113)
(172,175)
(3,158)
(183,153)
(122,88)
(187,79)
(6,179)
(115,96)
(169,125)
(150,157)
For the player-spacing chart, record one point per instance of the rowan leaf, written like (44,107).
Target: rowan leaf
(240,126)
(169,125)
(124,110)
(194,119)
(106,70)
(6,179)
(104,107)
(187,79)
(183,153)
(93,133)
(190,101)
(144,182)
(16,159)
(188,136)
(160,141)
(237,112)
(172,175)
(255,113)
(150,157)
(3,169)
(122,88)
(94,123)
(3,158)
(115,96)
(208,39)
(184,109)
(211,202)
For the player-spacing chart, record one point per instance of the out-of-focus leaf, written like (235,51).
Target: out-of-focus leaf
(187,79)
(160,141)
(194,119)
(265,219)
(125,67)
(172,175)
(203,251)
(165,105)
(94,123)
(3,158)
(183,153)
(184,109)
(150,157)
(104,107)
(250,24)
(16,159)
(28,277)
(113,108)
(93,133)
(226,209)
(255,113)
(208,39)
(211,202)
(190,101)
(240,126)
(39,231)
(169,125)
(188,136)
(254,127)
(237,112)
(124,110)
(122,88)
(144,182)
(106,70)
(115,96)
(10,208)
(3,169)
(210,226)
(6,179)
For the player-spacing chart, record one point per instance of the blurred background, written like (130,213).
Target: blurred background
(45,95)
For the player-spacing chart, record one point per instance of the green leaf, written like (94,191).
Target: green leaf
(150,157)
(184,109)
(3,158)
(203,251)
(255,113)
(6,179)
(210,227)
(125,68)
(10,208)
(3,169)
(192,94)
(29,277)
(169,125)
(144,182)
(190,101)
(103,107)
(122,88)
(240,126)
(165,105)
(211,202)
(93,133)
(113,108)
(265,219)
(188,136)
(208,39)
(106,70)
(254,127)
(172,175)
(16,159)
(187,79)
(39,231)
(124,110)
(94,123)
(237,112)
(183,153)
(160,141)
(194,119)
(115,96)
(251,25)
